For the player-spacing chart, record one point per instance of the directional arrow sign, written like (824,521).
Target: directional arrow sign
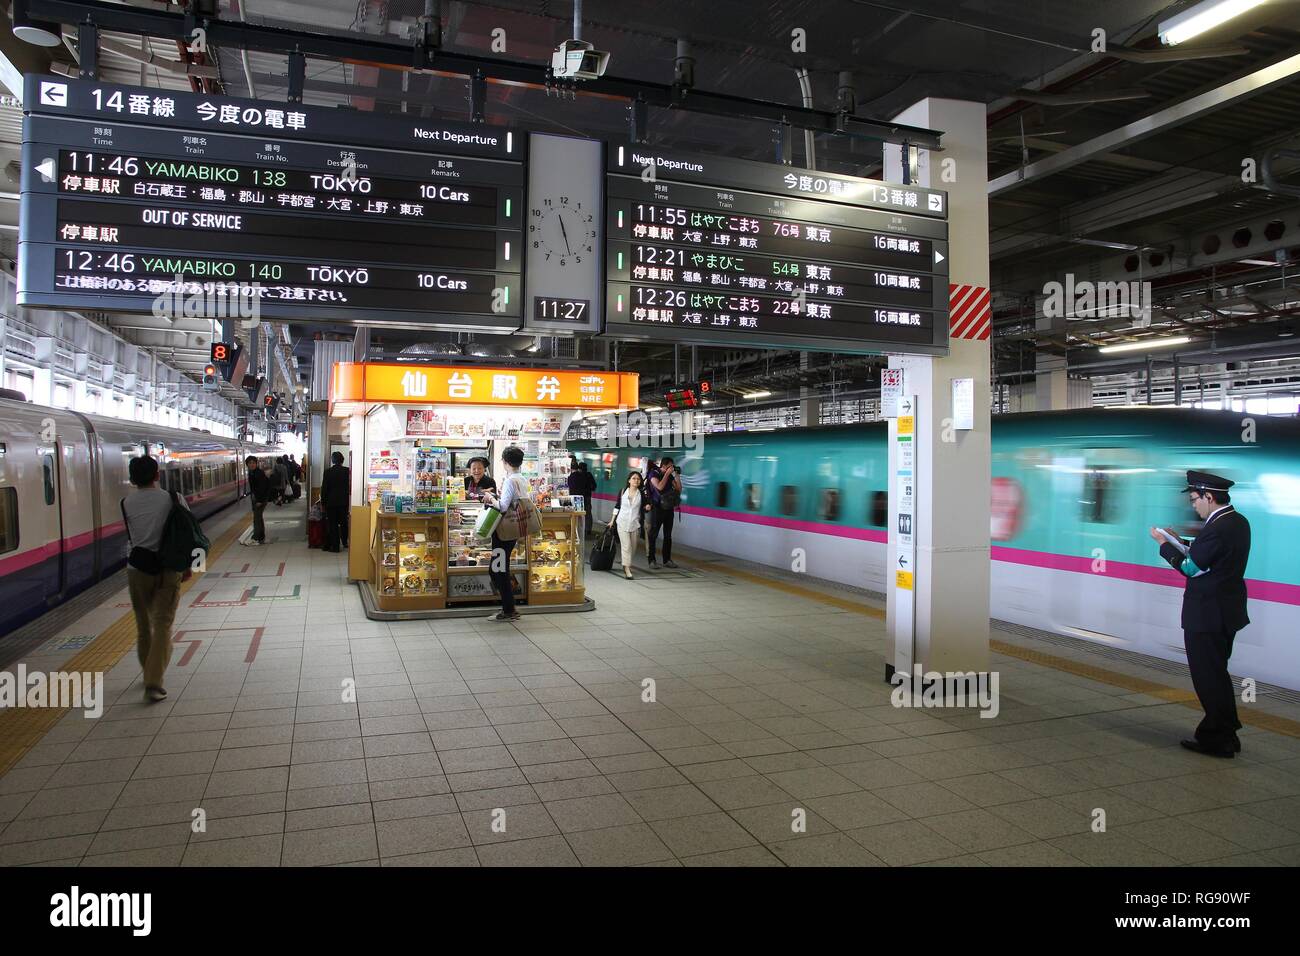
(46,168)
(938,257)
(902,560)
(906,406)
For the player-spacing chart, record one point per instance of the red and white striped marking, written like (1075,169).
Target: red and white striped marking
(970,312)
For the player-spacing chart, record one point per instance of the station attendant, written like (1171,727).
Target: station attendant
(478,480)
(154,590)
(335,493)
(1214,605)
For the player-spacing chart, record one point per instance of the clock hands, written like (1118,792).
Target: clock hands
(564,233)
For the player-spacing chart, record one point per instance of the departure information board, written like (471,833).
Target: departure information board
(131,194)
(717,251)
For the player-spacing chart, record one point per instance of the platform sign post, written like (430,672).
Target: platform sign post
(903,559)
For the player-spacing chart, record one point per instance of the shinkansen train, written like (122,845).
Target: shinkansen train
(1064,485)
(62,478)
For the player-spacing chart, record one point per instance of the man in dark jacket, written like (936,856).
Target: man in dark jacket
(259,493)
(1214,605)
(335,493)
(583,482)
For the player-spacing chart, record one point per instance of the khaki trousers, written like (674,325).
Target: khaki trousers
(153,599)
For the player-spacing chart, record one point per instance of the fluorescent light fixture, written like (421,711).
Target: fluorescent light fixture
(1201,18)
(1146,344)
(651,408)
(758,395)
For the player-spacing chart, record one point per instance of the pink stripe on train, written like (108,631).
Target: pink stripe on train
(1276,592)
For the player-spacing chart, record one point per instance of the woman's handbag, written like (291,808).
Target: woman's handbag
(522,520)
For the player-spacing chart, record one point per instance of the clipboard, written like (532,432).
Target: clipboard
(1176,542)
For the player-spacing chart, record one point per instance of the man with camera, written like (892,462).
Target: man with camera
(664,482)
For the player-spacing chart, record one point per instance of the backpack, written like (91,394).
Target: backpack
(182,536)
(670,498)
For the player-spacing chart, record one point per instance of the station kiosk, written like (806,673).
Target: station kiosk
(417,429)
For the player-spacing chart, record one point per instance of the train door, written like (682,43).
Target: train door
(51,457)
(1067,470)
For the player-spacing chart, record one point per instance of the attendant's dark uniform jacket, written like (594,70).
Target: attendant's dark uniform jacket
(1215,567)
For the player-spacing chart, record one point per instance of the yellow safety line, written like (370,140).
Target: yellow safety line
(1255,718)
(21,728)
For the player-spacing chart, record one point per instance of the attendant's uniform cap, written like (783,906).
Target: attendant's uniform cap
(1204,481)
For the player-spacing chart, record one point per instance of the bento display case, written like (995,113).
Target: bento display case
(410,561)
(555,559)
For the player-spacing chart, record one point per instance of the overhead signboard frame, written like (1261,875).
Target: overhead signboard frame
(718,251)
(317,213)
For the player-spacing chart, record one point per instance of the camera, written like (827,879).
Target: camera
(578,60)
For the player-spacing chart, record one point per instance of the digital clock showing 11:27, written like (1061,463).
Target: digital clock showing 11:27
(551,309)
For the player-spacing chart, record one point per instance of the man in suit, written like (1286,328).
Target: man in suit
(335,493)
(1214,606)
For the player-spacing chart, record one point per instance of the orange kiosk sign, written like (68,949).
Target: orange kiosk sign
(399,384)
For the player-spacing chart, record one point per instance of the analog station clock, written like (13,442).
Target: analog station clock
(562,229)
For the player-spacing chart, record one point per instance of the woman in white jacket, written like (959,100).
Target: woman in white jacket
(627,518)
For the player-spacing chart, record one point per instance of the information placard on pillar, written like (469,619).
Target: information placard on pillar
(891,387)
(904,557)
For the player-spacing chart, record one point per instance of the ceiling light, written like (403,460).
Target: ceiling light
(37,32)
(1146,344)
(758,395)
(1201,18)
(651,408)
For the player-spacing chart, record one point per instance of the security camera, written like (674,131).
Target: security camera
(578,60)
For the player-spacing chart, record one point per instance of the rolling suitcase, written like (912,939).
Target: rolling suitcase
(316,533)
(602,552)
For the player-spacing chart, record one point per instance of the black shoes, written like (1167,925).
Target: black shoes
(669,564)
(1200,748)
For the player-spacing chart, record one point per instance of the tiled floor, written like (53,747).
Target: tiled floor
(770,741)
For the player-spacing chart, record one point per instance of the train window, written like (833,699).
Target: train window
(8,519)
(830,504)
(753,497)
(1096,499)
(47,464)
(724,493)
(789,500)
(878,509)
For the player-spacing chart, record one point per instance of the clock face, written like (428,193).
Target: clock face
(563,231)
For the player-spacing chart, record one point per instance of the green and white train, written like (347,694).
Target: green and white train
(1064,485)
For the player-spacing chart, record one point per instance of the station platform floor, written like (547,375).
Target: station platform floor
(770,700)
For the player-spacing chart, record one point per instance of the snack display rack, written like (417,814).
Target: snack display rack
(555,557)
(410,560)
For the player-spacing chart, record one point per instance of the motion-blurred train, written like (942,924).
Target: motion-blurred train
(62,478)
(1064,485)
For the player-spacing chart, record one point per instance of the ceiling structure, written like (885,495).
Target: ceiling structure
(1110,157)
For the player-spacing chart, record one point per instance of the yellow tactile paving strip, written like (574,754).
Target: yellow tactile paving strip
(1253,718)
(21,728)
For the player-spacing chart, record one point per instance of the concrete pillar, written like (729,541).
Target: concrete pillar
(952,479)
